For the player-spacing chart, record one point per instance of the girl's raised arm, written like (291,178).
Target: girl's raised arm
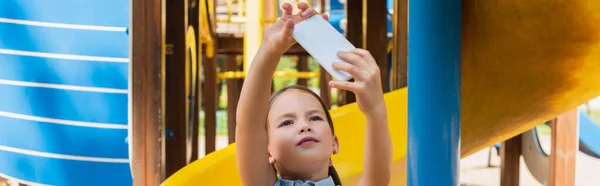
(251,135)
(369,96)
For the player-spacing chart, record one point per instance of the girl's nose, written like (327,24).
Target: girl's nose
(305,129)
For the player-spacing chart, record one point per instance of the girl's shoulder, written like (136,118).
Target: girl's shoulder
(325,182)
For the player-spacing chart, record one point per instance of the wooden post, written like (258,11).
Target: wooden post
(375,36)
(322,5)
(194,21)
(210,97)
(175,111)
(565,143)
(210,104)
(588,109)
(302,66)
(234,87)
(354,34)
(195,154)
(510,153)
(354,14)
(324,89)
(400,44)
(147,84)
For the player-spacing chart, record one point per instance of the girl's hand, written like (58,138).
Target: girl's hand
(367,80)
(279,37)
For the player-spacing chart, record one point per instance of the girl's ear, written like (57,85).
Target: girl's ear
(271,160)
(336,145)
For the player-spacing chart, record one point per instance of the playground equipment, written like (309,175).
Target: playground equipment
(66,80)
(506,59)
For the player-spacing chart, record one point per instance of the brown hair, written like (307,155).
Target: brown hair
(332,172)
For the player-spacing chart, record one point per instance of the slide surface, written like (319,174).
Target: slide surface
(524,62)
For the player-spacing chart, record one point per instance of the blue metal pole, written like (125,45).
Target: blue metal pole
(434,82)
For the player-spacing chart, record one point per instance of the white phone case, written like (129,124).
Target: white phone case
(322,41)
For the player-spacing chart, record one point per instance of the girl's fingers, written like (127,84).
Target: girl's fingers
(325,16)
(288,27)
(302,6)
(353,59)
(349,68)
(344,85)
(287,8)
(365,55)
(306,13)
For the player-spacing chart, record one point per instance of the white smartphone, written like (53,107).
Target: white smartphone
(322,41)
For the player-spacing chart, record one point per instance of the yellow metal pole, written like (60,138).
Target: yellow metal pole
(229,10)
(274,10)
(241,10)
(205,33)
(253,34)
(191,86)
(277,74)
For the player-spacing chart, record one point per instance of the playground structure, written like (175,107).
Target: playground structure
(493,73)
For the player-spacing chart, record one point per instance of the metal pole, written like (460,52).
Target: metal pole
(434,82)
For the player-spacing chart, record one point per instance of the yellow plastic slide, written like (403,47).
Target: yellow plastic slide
(524,62)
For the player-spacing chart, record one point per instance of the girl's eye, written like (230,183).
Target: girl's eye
(285,123)
(316,118)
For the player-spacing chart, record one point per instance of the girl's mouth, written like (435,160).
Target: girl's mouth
(307,141)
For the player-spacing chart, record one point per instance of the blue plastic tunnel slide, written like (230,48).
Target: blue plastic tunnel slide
(589,135)
(64,75)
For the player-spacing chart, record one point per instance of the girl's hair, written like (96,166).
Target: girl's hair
(332,172)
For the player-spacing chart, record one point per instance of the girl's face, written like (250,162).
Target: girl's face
(299,133)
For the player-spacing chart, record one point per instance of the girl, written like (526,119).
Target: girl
(291,134)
